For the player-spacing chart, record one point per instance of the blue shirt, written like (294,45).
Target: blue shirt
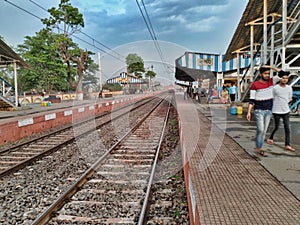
(232,90)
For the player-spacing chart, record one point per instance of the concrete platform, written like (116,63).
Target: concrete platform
(34,118)
(226,184)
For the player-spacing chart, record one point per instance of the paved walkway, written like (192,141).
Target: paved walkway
(36,108)
(227,185)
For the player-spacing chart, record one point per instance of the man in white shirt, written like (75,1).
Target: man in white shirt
(282,96)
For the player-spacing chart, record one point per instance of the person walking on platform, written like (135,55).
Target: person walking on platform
(199,93)
(282,96)
(261,99)
(186,93)
(224,95)
(100,95)
(232,93)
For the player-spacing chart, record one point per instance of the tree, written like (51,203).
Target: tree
(72,22)
(47,70)
(150,74)
(135,64)
(90,75)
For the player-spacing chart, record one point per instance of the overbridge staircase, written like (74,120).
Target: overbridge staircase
(7,95)
(282,52)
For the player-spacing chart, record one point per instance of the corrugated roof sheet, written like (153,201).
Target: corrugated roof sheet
(253,11)
(7,55)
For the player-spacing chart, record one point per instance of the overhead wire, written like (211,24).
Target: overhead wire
(91,44)
(149,26)
(94,40)
(22,9)
(153,32)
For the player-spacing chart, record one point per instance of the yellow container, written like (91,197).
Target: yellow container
(239,110)
(44,103)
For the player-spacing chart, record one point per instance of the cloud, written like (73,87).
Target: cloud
(111,8)
(199,25)
(204,25)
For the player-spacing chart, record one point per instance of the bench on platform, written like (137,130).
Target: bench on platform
(108,95)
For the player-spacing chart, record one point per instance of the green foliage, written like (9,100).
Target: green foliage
(176,177)
(112,87)
(47,70)
(65,15)
(135,64)
(90,75)
(150,74)
(71,20)
(161,155)
(55,60)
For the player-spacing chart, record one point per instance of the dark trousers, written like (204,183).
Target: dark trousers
(199,98)
(286,125)
(232,97)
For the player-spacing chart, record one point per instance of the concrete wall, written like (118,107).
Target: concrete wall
(28,125)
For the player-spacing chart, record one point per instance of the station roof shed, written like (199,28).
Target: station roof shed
(8,56)
(254,12)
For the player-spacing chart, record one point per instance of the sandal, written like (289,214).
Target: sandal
(270,141)
(289,148)
(261,152)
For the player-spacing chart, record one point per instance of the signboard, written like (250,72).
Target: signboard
(205,62)
(186,83)
(205,83)
(25,122)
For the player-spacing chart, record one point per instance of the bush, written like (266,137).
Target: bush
(112,87)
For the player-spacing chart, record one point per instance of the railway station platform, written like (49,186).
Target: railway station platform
(225,183)
(34,118)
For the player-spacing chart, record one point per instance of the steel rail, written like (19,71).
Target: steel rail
(45,216)
(141,220)
(78,123)
(53,149)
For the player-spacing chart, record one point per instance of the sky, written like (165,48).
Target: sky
(116,28)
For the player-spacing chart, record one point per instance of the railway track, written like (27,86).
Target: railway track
(117,187)
(21,155)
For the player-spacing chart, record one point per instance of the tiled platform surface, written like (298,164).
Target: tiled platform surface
(227,185)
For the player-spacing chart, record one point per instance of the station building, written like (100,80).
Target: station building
(268,33)
(211,69)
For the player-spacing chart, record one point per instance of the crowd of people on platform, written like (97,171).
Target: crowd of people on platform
(227,93)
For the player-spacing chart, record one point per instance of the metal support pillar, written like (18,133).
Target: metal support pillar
(284,32)
(251,52)
(238,77)
(16,84)
(272,45)
(265,30)
(100,72)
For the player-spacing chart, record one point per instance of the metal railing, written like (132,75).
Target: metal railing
(7,94)
(291,30)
